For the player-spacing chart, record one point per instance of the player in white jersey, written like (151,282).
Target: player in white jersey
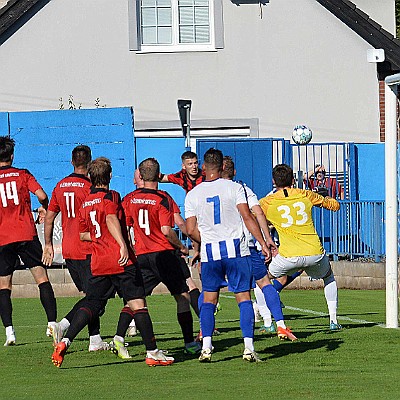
(216,212)
(260,273)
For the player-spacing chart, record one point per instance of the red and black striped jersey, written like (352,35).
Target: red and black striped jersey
(16,221)
(92,218)
(182,179)
(67,198)
(147,210)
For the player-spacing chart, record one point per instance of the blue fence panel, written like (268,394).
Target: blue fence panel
(356,230)
(168,152)
(334,157)
(253,158)
(45,139)
(371,171)
(4,129)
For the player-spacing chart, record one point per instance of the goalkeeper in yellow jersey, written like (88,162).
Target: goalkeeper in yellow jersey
(289,210)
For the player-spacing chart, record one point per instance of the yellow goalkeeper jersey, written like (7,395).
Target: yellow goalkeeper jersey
(289,210)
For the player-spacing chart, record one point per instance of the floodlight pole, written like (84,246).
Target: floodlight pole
(391,189)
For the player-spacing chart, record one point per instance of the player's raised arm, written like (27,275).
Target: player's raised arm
(163,178)
(325,202)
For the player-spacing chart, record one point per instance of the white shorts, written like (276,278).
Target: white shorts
(317,267)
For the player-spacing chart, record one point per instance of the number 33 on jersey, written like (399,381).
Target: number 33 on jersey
(290,214)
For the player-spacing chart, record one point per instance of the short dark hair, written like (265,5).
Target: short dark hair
(149,170)
(6,148)
(100,171)
(188,154)
(282,175)
(214,158)
(229,168)
(81,156)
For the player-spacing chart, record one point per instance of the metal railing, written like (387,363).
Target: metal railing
(356,230)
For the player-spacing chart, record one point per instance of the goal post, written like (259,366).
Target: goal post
(391,200)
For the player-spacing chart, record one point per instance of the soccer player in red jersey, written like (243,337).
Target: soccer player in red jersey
(150,213)
(189,176)
(113,267)
(194,292)
(67,198)
(18,236)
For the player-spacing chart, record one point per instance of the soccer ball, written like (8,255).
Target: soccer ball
(301,134)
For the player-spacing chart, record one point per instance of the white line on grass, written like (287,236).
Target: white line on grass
(312,312)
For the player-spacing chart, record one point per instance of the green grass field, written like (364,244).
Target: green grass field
(360,362)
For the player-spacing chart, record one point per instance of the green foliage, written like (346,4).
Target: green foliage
(360,362)
(398,18)
(72,106)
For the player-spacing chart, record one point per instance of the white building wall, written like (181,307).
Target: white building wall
(298,64)
(381,11)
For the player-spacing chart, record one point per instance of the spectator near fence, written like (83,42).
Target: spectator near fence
(318,182)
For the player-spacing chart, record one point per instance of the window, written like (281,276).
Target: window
(176,25)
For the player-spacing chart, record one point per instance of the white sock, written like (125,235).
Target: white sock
(132,323)
(66,341)
(119,339)
(262,306)
(249,343)
(330,291)
(95,339)
(281,324)
(10,330)
(64,323)
(207,342)
(265,315)
(152,352)
(51,323)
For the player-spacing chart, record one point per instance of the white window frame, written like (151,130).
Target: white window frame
(175,46)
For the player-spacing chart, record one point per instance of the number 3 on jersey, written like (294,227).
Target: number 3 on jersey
(300,217)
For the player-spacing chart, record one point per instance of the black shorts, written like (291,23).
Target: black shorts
(183,264)
(30,253)
(80,272)
(162,266)
(129,284)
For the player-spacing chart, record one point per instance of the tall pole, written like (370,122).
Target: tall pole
(187,140)
(184,108)
(391,188)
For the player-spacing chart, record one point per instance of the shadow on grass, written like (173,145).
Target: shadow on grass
(102,364)
(299,347)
